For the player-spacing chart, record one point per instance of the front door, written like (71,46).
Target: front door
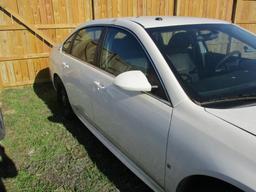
(137,123)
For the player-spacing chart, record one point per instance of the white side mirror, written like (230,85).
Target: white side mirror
(133,81)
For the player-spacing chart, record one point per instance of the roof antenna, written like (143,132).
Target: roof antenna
(158,18)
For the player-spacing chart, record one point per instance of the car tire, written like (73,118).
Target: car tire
(64,103)
(215,188)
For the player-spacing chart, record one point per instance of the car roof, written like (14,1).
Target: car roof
(158,21)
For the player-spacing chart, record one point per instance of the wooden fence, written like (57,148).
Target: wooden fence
(28,28)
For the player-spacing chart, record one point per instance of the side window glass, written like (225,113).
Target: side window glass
(122,52)
(246,51)
(218,43)
(85,44)
(68,43)
(223,43)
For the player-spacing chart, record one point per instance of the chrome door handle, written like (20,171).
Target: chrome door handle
(65,65)
(99,85)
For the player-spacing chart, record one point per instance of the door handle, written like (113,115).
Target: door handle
(99,85)
(65,65)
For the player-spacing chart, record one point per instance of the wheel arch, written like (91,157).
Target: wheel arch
(192,181)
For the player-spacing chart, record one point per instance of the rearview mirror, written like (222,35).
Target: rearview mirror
(133,81)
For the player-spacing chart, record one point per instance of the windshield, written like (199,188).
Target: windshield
(212,62)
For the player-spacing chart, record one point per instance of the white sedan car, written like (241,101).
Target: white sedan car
(174,98)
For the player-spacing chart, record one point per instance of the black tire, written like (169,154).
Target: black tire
(214,187)
(63,102)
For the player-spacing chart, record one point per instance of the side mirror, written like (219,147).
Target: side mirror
(132,81)
(248,49)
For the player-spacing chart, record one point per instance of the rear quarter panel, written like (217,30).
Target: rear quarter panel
(55,60)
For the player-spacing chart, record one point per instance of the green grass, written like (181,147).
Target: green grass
(44,152)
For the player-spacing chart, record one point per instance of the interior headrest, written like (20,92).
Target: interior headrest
(126,47)
(180,42)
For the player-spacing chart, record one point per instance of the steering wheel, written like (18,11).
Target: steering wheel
(225,59)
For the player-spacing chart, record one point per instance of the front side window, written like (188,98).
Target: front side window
(122,52)
(85,44)
(213,62)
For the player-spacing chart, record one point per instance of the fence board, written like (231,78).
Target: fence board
(22,53)
(246,12)
(206,8)
(246,15)
(120,8)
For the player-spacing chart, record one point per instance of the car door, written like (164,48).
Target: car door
(78,65)
(136,123)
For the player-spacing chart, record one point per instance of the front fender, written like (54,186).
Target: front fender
(202,144)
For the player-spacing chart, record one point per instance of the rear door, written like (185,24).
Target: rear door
(66,71)
(78,65)
(137,123)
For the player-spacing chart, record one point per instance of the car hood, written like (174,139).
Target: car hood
(242,117)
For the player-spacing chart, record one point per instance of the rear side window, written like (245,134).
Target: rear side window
(68,44)
(85,44)
(122,52)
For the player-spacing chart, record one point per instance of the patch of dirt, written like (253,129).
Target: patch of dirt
(64,172)
(6,110)
(9,112)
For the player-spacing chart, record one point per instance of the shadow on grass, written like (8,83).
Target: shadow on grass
(7,168)
(107,163)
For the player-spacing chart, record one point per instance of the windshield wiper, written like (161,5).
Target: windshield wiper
(228,101)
